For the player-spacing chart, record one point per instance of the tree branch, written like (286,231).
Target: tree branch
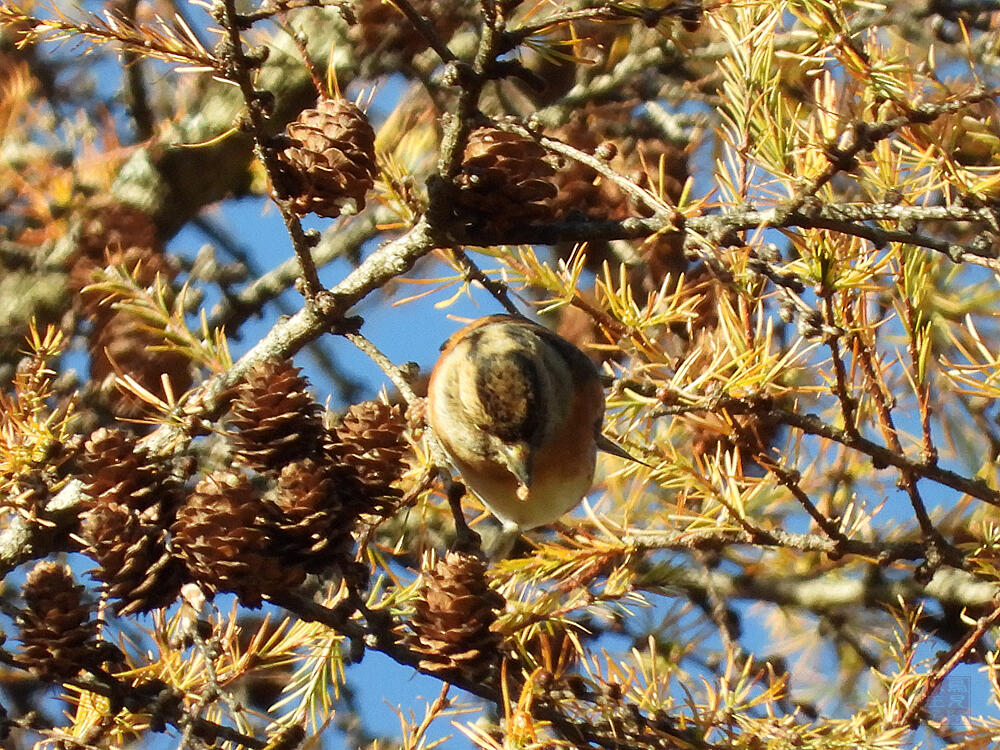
(881,455)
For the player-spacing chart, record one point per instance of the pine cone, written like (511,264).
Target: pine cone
(135,566)
(142,263)
(124,236)
(58,636)
(219,536)
(367,450)
(132,499)
(117,235)
(312,515)
(752,434)
(580,329)
(276,419)
(382,29)
(370,439)
(668,166)
(581,190)
(329,164)
(115,471)
(114,228)
(636,153)
(504,179)
(119,344)
(453,619)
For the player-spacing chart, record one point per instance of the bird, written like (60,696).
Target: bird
(518,410)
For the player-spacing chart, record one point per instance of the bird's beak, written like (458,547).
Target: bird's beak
(614,449)
(517,457)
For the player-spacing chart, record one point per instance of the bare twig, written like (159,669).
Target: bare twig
(952,659)
(844,398)
(396,374)
(238,69)
(426,29)
(880,454)
(499,291)
(139,107)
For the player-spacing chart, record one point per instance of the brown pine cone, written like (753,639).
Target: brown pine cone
(370,439)
(504,179)
(635,152)
(751,434)
(119,235)
(581,190)
(219,536)
(382,29)
(329,164)
(120,344)
(580,329)
(277,421)
(451,628)
(668,165)
(116,471)
(58,636)
(366,453)
(637,157)
(142,263)
(313,517)
(135,566)
(113,228)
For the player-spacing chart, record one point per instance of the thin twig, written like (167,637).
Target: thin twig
(814,425)
(908,477)
(789,480)
(858,136)
(844,398)
(238,70)
(396,374)
(633,191)
(499,291)
(134,70)
(921,386)
(951,660)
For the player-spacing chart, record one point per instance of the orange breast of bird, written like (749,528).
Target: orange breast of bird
(563,464)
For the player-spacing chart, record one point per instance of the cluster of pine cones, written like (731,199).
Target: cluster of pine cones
(452,629)
(327,166)
(291,501)
(254,532)
(327,158)
(287,507)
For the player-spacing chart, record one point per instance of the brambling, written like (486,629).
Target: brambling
(518,409)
